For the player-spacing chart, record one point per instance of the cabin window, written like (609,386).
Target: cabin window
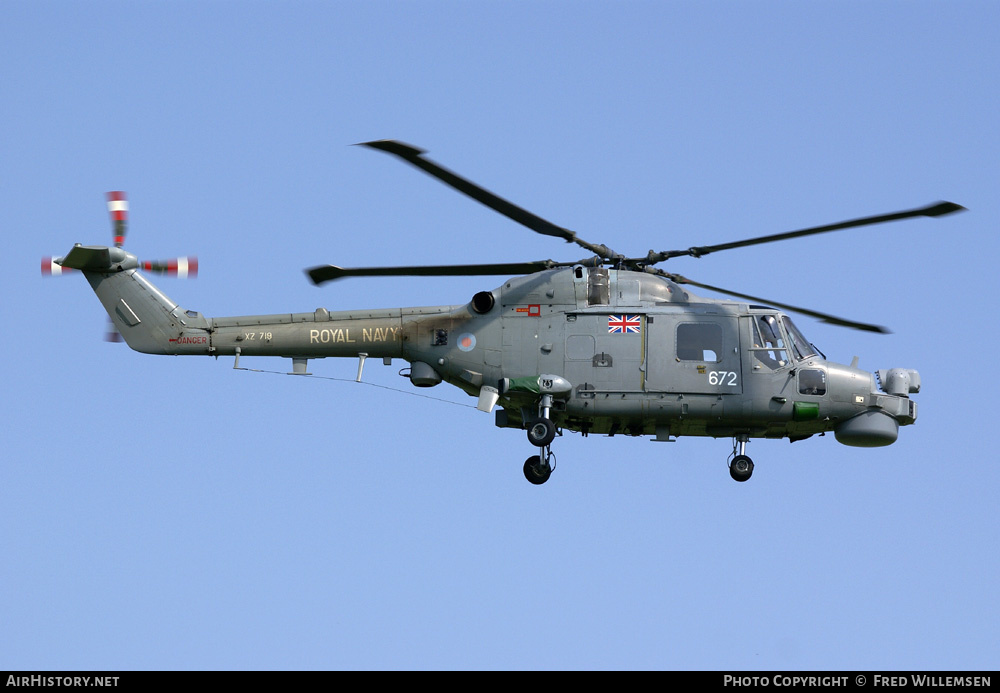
(699,341)
(769,351)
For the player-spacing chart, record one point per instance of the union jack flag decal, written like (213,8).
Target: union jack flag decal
(624,324)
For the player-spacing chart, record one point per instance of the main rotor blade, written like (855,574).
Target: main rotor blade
(824,317)
(937,209)
(510,210)
(326,273)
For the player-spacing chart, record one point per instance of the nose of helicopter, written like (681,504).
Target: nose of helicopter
(888,408)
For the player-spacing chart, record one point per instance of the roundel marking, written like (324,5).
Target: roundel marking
(466,342)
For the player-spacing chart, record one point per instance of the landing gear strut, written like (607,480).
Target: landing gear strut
(741,466)
(541,433)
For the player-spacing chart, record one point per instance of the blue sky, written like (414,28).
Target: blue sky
(172,513)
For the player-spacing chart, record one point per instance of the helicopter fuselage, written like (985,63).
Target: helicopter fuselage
(630,352)
(608,344)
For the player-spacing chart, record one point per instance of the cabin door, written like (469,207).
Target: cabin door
(698,354)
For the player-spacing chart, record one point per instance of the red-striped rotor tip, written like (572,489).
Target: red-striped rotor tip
(118,208)
(51,267)
(183,267)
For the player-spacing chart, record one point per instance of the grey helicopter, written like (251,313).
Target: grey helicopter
(607,345)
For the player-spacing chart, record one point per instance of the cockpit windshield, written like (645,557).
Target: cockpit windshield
(800,345)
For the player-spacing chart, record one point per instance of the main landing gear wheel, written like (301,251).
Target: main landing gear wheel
(536,471)
(741,468)
(541,432)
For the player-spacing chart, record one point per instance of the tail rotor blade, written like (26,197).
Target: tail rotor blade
(184,267)
(52,268)
(112,335)
(118,209)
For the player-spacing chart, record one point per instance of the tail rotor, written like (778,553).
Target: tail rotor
(185,266)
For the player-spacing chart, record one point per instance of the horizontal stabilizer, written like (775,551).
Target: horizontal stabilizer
(91,258)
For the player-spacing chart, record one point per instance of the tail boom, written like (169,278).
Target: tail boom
(150,322)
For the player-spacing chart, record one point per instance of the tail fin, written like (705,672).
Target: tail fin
(145,317)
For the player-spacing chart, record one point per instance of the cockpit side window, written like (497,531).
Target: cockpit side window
(768,343)
(800,345)
(812,381)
